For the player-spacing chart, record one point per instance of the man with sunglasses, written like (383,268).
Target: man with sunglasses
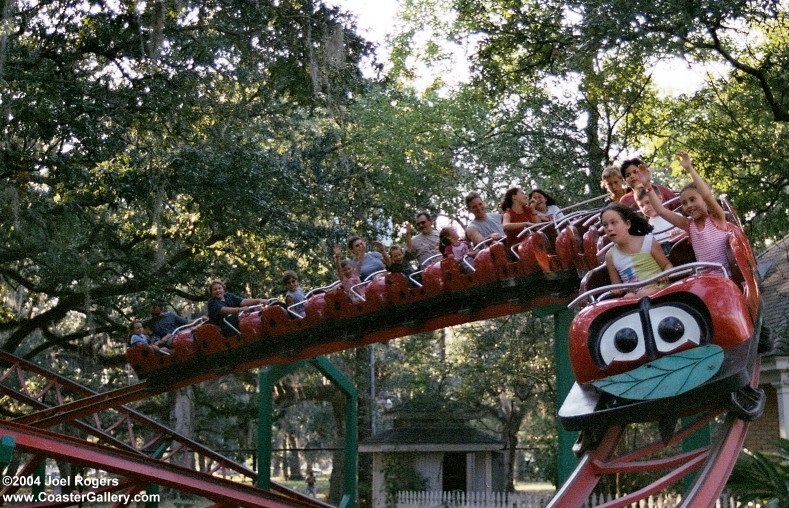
(425,244)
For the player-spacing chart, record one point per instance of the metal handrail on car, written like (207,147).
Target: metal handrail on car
(581,203)
(310,294)
(676,272)
(430,260)
(251,309)
(483,243)
(529,229)
(570,217)
(470,266)
(366,282)
(427,262)
(194,324)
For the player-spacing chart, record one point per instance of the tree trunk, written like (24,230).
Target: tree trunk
(294,460)
(183,419)
(338,456)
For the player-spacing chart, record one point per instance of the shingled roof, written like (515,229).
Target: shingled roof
(774,269)
(430,426)
(431,439)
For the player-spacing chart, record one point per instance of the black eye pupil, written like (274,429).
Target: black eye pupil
(626,340)
(670,329)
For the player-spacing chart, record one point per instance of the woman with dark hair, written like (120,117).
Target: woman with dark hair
(367,263)
(635,256)
(544,205)
(516,214)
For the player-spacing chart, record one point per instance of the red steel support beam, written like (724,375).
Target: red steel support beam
(141,469)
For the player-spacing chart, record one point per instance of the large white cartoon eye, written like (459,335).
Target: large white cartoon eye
(622,340)
(673,327)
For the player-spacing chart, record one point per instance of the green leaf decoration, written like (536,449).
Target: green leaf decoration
(667,376)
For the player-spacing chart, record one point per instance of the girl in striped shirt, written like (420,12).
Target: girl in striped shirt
(705,222)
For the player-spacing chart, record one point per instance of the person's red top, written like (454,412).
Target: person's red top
(629,199)
(527,216)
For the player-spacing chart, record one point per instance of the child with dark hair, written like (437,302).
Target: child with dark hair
(637,174)
(517,214)
(137,336)
(293,292)
(451,246)
(398,263)
(635,256)
(350,282)
(544,205)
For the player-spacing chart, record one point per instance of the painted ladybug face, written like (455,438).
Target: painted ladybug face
(646,332)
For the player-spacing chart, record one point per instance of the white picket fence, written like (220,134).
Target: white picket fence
(530,500)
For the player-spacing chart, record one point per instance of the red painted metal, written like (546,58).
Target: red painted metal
(713,463)
(184,345)
(725,303)
(123,428)
(712,478)
(141,469)
(549,251)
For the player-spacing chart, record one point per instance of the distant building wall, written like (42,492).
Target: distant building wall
(765,431)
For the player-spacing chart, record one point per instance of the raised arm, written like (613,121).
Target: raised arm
(675,219)
(713,207)
(380,248)
(337,264)
(409,244)
(508,225)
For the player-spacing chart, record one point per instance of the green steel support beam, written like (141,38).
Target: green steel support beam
(153,489)
(698,439)
(40,472)
(562,319)
(7,444)
(266,380)
(351,420)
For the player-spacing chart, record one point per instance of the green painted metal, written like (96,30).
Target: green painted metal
(153,490)
(351,423)
(667,376)
(7,444)
(562,318)
(153,493)
(699,439)
(40,472)
(266,380)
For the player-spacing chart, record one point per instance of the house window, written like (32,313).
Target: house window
(454,467)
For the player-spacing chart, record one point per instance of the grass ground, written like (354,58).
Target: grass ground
(321,485)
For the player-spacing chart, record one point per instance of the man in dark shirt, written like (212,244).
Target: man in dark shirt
(162,324)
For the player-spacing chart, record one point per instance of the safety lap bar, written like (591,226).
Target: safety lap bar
(571,217)
(252,308)
(366,281)
(675,272)
(429,261)
(194,324)
(311,293)
(529,229)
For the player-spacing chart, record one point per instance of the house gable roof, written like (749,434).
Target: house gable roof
(774,267)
